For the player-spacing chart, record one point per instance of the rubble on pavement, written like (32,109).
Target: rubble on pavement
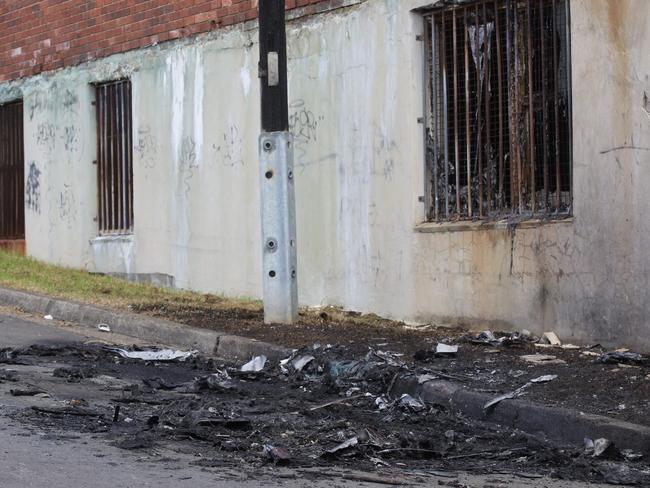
(321,406)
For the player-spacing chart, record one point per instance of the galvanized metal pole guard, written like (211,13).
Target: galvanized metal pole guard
(279,262)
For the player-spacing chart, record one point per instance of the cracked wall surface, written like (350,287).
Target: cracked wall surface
(355,97)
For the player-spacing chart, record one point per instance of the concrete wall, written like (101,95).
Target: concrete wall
(356,93)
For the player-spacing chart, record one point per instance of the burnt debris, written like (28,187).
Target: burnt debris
(321,406)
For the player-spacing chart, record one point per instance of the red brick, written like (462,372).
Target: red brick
(57,33)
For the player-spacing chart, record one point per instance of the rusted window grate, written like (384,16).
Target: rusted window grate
(114,157)
(12,172)
(499,110)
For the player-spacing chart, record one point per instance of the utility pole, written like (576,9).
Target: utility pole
(279,256)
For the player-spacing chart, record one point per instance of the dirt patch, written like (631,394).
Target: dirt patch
(329,326)
(583,383)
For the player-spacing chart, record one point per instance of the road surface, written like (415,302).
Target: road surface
(36,457)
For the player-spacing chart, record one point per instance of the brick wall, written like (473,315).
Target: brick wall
(38,36)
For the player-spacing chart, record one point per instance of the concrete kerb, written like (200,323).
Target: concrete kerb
(147,329)
(557,424)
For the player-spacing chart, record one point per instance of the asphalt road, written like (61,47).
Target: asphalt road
(33,457)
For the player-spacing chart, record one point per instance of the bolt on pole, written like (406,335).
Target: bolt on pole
(278,212)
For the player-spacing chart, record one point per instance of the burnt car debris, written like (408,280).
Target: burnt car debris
(319,407)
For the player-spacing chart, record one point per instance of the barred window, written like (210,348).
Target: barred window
(499,110)
(114,157)
(12,173)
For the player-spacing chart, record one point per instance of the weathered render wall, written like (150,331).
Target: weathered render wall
(356,93)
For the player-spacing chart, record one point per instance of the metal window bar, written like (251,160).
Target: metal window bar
(498,110)
(114,157)
(12,172)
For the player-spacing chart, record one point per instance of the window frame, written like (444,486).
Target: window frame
(114,119)
(12,174)
(538,208)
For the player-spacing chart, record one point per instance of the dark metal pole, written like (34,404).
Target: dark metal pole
(278,212)
(273,66)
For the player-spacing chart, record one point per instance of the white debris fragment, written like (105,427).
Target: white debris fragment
(284,363)
(48,317)
(410,402)
(631,455)
(545,378)
(382,402)
(519,391)
(507,396)
(300,362)
(378,462)
(446,349)
(488,336)
(391,358)
(162,355)
(551,338)
(345,445)
(542,359)
(605,448)
(254,365)
(104,327)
